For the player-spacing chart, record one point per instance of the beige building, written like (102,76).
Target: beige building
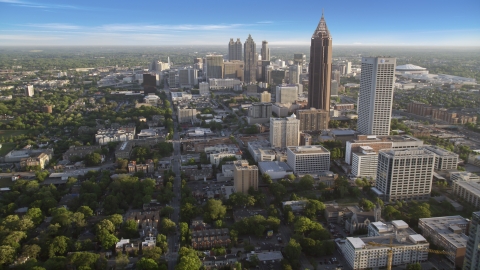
(186,115)
(214,67)
(313,119)
(244,176)
(284,131)
(286,94)
(234,70)
(40,159)
(265,97)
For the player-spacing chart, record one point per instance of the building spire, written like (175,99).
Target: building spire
(322,29)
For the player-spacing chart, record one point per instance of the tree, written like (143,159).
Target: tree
(93,159)
(108,240)
(147,264)
(105,225)
(59,245)
(153,253)
(7,254)
(188,260)
(130,229)
(83,259)
(85,210)
(121,261)
(167,226)
(306,182)
(116,219)
(214,210)
(31,251)
(313,207)
(367,205)
(390,212)
(414,266)
(419,211)
(293,250)
(56,263)
(167,211)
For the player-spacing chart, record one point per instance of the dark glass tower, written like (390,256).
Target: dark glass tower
(320,68)
(235,50)
(249,52)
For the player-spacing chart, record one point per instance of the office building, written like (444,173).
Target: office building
(378,143)
(235,50)
(265,51)
(472,255)
(250,60)
(259,112)
(276,76)
(444,159)
(265,97)
(233,70)
(365,162)
(308,159)
(244,176)
(294,74)
(188,77)
(348,68)
(404,174)
(320,67)
(216,84)
(360,254)
(286,93)
(448,233)
(313,119)
(214,67)
(186,115)
(284,131)
(376,95)
(299,59)
(29,92)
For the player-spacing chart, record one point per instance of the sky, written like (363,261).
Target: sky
(186,22)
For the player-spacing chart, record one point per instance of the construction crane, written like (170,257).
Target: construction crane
(391,246)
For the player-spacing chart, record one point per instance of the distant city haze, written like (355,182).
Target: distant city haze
(158,23)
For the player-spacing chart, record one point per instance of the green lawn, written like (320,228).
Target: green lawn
(6,147)
(7,133)
(6,182)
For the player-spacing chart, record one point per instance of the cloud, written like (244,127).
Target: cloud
(21,3)
(55,26)
(265,22)
(162,27)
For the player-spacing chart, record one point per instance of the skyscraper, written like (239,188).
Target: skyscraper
(299,59)
(265,51)
(376,95)
(235,50)
(249,49)
(313,119)
(214,68)
(294,74)
(472,254)
(320,67)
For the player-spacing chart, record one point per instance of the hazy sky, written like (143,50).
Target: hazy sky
(172,22)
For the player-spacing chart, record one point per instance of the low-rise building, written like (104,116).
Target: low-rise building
(215,262)
(360,254)
(124,150)
(148,167)
(444,159)
(38,159)
(80,151)
(447,233)
(364,162)
(261,150)
(296,206)
(206,239)
(275,169)
(105,136)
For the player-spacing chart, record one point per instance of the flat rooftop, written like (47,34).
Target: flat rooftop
(471,186)
(272,166)
(308,149)
(362,242)
(446,227)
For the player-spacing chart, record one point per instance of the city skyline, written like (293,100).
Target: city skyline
(46,22)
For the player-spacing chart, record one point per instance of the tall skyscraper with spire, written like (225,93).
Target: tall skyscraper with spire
(249,53)
(265,51)
(320,67)
(235,50)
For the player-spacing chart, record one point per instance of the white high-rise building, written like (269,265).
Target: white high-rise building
(376,95)
(365,162)
(294,74)
(286,93)
(285,131)
(29,90)
(348,67)
(188,77)
(404,174)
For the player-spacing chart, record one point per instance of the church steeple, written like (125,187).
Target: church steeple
(322,29)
